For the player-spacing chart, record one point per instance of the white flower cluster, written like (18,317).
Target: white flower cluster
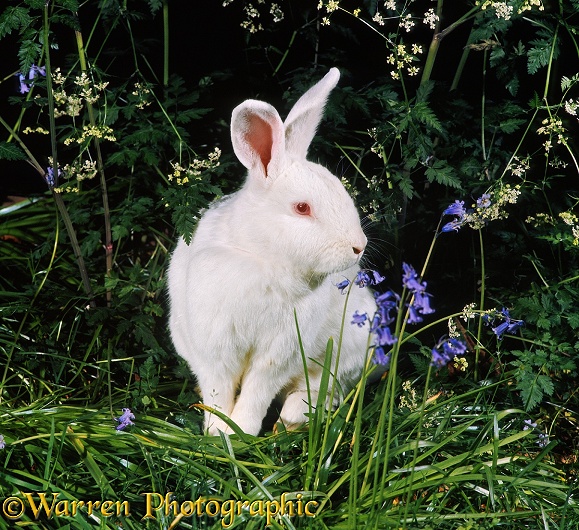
(102,132)
(571,107)
(431,18)
(72,104)
(552,126)
(401,58)
(571,219)
(492,206)
(505,10)
(253,15)
(183,175)
(519,166)
(142,92)
(74,173)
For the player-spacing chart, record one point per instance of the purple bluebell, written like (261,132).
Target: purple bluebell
(529,424)
(456,208)
(362,279)
(384,337)
(376,278)
(369,277)
(2,442)
(450,348)
(49,176)
(422,302)
(32,73)
(509,325)
(359,319)
(484,201)
(413,315)
(125,419)
(410,279)
(453,225)
(343,285)
(543,440)
(380,357)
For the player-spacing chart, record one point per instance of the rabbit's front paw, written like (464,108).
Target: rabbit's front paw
(294,410)
(214,425)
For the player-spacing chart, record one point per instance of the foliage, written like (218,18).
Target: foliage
(475,101)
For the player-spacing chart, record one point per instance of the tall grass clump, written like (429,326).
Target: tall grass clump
(457,143)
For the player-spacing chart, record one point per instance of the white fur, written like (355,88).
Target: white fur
(254,260)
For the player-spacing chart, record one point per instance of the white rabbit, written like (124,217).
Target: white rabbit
(273,247)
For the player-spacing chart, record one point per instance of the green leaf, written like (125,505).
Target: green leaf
(28,54)
(11,152)
(13,18)
(540,53)
(443,173)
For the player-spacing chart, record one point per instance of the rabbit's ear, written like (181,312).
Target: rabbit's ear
(257,133)
(303,119)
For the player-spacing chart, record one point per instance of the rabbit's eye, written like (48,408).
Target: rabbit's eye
(302,208)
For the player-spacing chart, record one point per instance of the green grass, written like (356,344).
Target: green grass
(472,464)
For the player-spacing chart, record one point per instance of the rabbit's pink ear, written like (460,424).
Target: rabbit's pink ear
(305,116)
(257,133)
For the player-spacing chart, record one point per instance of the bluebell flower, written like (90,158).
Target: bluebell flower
(380,357)
(362,279)
(24,88)
(543,440)
(2,442)
(359,319)
(422,302)
(508,326)
(454,347)
(413,315)
(410,279)
(484,201)
(387,305)
(384,337)
(456,208)
(529,424)
(125,420)
(453,225)
(376,278)
(450,348)
(343,285)
(49,176)
(32,73)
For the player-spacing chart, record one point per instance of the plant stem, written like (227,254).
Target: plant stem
(437,39)
(165,44)
(481,304)
(100,166)
(56,196)
(483,103)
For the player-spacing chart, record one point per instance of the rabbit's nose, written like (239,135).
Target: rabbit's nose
(357,250)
